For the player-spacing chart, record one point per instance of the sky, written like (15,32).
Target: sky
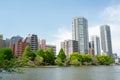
(52,19)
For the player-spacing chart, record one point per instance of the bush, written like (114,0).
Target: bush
(86,58)
(77,56)
(58,61)
(38,60)
(75,62)
(105,59)
(22,61)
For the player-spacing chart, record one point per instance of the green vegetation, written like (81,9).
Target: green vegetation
(58,61)
(6,59)
(62,55)
(34,59)
(105,59)
(75,59)
(29,54)
(80,59)
(47,57)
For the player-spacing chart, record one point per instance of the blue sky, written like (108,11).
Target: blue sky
(43,17)
(48,18)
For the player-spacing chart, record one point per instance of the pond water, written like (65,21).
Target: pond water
(66,73)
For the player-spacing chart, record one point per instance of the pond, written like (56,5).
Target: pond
(66,73)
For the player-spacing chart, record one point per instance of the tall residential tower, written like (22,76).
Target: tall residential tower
(96,44)
(80,33)
(106,44)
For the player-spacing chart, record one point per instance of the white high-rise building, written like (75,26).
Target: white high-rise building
(96,44)
(106,44)
(80,33)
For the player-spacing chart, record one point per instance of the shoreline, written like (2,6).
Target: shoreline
(55,66)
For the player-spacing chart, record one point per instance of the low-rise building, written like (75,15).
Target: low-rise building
(51,47)
(32,39)
(42,43)
(69,46)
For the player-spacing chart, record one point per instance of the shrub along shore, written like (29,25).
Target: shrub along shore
(42,58)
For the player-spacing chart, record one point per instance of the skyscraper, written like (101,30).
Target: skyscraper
(69,46)
(96,44)
(106,44)
(32,39)
(80,33)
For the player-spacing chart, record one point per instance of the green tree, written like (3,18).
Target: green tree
(52,55)
(38,60)
(62,55)
(6,62)
(86,58)
(76,55)
(40,52)
(75,59)
(29,54)
(58,61)
(6,53)
(49,56)
(22,61)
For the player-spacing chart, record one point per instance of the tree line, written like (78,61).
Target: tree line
(47,57)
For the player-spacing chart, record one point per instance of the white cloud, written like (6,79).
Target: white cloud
(63,34)
(94,30)
(112,13)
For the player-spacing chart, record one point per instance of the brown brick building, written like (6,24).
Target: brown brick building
(20,47)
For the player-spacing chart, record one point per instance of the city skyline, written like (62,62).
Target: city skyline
(50,20)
